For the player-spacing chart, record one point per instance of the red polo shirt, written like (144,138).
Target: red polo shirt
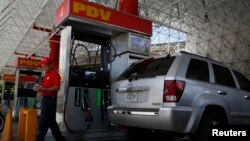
(51,78)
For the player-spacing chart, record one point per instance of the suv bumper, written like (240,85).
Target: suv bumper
(176,119)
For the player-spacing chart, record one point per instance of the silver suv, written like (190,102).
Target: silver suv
(182,93)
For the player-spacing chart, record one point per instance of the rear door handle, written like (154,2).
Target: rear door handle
(247,97)
(222,92)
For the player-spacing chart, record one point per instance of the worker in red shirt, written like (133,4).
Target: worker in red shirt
(48,90)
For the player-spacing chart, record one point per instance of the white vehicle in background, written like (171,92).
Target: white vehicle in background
(180,93)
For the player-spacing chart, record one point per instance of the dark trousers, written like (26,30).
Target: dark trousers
(48,119)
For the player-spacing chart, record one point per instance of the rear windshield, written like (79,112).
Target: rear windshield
(147,68)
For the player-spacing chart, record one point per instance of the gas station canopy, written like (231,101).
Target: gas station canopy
(222,25)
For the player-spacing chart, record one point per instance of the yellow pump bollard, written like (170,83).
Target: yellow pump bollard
(7,134)
(27,125)
(21,124)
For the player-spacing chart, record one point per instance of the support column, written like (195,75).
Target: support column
(54,44)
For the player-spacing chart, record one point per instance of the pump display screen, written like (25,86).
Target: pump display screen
(139,44)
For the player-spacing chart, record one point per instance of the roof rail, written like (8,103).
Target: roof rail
(201,57)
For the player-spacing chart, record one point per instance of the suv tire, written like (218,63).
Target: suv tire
(208,120)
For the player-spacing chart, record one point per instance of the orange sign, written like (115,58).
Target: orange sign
(28,63)
(92,13)
(9,77)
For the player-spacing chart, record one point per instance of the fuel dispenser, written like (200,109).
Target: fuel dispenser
(28,73)
(85,89)
(8,91)
(25,96)
(89,91)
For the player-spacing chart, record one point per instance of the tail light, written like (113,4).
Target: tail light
(173,90)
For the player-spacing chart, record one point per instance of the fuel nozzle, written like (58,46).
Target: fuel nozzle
(89,118)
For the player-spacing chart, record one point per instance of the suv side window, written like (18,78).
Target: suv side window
(223,76)
(243,81)
(198,70)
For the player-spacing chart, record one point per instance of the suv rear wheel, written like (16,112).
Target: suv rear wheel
(208,119)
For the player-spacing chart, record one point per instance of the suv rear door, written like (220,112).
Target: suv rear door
(141,85)
(227,93)
(244,85)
